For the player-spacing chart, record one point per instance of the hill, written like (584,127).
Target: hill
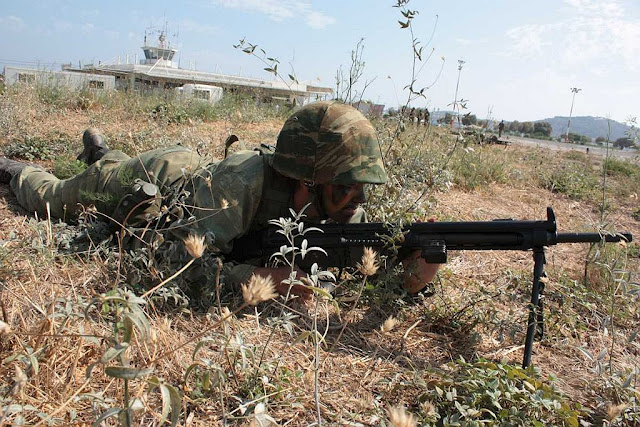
(592,127)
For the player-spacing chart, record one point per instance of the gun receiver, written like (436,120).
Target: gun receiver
(434,239)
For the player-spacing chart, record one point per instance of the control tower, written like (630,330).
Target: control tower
(159,55)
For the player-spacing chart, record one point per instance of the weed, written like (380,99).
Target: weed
(571,180)
(490,393)
(64,168)
(619,167)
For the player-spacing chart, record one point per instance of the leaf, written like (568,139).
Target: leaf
(201,343)
(90,369)
(602,354)
(107,414)
(166,403)
(127,373)
(33,361)
(303,336)
(403,24)
(113,352)
(176,403)
(587,353)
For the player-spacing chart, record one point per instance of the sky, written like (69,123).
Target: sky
(521,58)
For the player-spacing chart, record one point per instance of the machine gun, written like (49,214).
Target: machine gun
(434,239)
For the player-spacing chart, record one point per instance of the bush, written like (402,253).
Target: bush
(572,180)
(473,168)
(489,393)
(618,167)
(30,148)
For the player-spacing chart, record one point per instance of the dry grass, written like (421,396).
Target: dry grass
(478,310)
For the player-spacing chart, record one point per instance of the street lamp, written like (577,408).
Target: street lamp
(455,97)
(573,99)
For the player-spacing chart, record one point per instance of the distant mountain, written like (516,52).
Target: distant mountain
(592,127)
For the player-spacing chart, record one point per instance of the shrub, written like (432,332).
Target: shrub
(473,168)
(572,180)
(489,393)
(619,167)
(30,148)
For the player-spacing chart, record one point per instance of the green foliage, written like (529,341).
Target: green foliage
(476,167)
(55,95)
(619,167)
(623,142)
(30,148)
(576,138)
(65,168)
(46,147)
(469,119)
(542,129)
(494,394)
(570,179)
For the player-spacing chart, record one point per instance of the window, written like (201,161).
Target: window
(201,94)
(96,84)
(26,77)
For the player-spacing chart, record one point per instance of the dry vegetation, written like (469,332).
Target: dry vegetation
(78,341)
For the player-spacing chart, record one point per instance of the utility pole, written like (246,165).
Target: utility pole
(455,97)
(573,99)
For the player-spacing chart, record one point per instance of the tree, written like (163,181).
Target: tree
(542,128)
(514,126)
(578,139)
(469,119)
(526,128)
(600,140)
(623,142)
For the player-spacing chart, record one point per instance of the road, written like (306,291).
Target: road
(562,146)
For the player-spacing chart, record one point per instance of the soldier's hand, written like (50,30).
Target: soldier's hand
(417,272)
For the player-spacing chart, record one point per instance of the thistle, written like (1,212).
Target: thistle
(389,324)
(258,289)
(194,245)
(399,417)
(369,265)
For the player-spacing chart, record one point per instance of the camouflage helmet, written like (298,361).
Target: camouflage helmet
(329,142)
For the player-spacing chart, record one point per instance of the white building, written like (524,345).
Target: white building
(207,93)
(70,79)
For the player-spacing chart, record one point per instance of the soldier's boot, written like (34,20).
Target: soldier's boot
(94,146)
(9,168)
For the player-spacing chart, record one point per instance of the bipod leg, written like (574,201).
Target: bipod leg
(535,325)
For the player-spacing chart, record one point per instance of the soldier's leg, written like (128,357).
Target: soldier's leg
(9,168)
(35,187)
(104,183)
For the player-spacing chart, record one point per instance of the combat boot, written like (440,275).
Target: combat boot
(94,146)
(9,168)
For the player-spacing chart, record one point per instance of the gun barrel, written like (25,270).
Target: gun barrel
(593,237)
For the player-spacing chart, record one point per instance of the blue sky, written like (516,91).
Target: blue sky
(521,57)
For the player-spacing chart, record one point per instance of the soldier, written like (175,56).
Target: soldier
(326,154)
(500,128)
(412,115)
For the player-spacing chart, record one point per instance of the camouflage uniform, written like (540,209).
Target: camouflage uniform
(323,144)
